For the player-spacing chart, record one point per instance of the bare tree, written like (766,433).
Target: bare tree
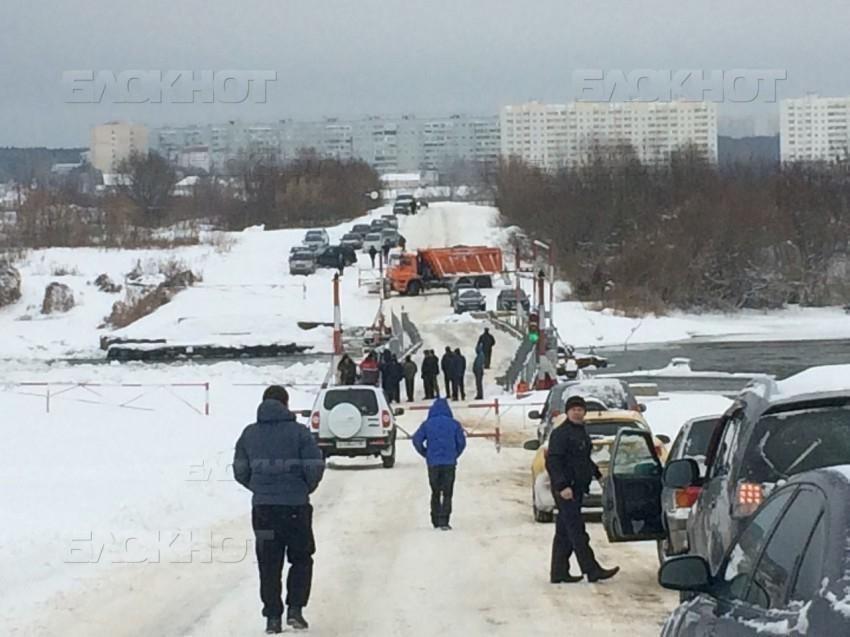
(148,180)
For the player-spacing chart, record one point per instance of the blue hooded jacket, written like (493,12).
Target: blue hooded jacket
(277,459)
(440,439)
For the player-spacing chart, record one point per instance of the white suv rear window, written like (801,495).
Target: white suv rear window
(364,399)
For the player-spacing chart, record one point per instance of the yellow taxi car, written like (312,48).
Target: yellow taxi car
(602,427)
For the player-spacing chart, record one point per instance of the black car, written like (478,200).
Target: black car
(785,573)
(329,257)
(773,430)
(507,301)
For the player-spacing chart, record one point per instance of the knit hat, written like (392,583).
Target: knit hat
(576,401)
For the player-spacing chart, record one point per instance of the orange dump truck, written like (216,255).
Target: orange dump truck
(413,272)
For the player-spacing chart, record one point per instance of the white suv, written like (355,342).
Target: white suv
(355,420)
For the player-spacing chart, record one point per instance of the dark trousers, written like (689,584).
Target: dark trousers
(442,481)
(461,388)
(408,386)
(458,389)
(479,386)
(570,537)
(487,354)
(448,382)
(284,530)
(432,388)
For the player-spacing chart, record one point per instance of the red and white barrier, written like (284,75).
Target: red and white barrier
(492,411)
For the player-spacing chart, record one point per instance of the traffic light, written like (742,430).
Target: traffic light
(533,327)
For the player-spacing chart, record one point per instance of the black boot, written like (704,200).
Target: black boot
(274,626)
(602,574)
(295,619)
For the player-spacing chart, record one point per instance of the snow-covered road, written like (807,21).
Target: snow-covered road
(382,570)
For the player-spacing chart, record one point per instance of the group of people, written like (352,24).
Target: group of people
(282,516)
(388,372)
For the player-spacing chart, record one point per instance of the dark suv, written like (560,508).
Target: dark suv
(773,430)
(329,257)
(507,301)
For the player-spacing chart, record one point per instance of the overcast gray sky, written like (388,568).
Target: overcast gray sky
(357,57)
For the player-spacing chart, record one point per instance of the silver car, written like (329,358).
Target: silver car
(302,261)
(316,240)
(352,240)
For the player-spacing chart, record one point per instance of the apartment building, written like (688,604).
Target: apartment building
(112,143)
(555,135)
(814,128)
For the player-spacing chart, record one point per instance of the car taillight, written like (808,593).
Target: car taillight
(545,452)
(555,414)
(659,451)
(687,497)
(385,418)
(314,420)
(750,496)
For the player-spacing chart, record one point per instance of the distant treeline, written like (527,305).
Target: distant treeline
(23,165)
(689,235)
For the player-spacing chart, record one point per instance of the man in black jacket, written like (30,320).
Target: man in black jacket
(430,372)
(458,373)
(278,460)
(446,366)
(487,343)
(571,470)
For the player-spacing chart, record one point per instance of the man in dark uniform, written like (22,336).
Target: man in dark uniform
(571,470)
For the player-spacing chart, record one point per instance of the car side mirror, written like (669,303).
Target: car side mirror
(398,411)
(664,438)
(681,473)
(534,414)
(531,445)
(685,573)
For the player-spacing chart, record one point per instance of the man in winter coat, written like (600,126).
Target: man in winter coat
(278,460)
(430,372)
(409,370)
(478,372)
(440,440)
(373,252)
(369,371)
(458,372)
(487,342)
(446,366)
(347,371)
(571,471)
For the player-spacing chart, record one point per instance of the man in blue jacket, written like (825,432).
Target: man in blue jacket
(440,440)
(278,460)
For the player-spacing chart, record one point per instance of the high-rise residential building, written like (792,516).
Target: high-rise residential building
(389,144)
(814,128)
(555,135)
(114,142)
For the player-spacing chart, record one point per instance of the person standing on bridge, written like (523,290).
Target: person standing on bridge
(441,441)
(446,367)
(373,252)
(347,371)
(487,342)
(279,461)
(369,371)
(430,372)
(571,471)
(409,370)
(478,372)
(458,372)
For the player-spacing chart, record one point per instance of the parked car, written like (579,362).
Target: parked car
(459,285)
(507,301)
(352,240)
(405,205)
(772,431)
(302,261)
(469,301)
(602,427)
(361,228)
(691,442)
(316,239)
(373,239)
(600,393)
(379,224)
(329,257)
(355,421)
(391,220)
(785,573)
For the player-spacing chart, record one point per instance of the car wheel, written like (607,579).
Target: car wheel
(389,461)
(413,288)
(543,517)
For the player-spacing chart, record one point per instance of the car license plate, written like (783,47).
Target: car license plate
(351,444)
